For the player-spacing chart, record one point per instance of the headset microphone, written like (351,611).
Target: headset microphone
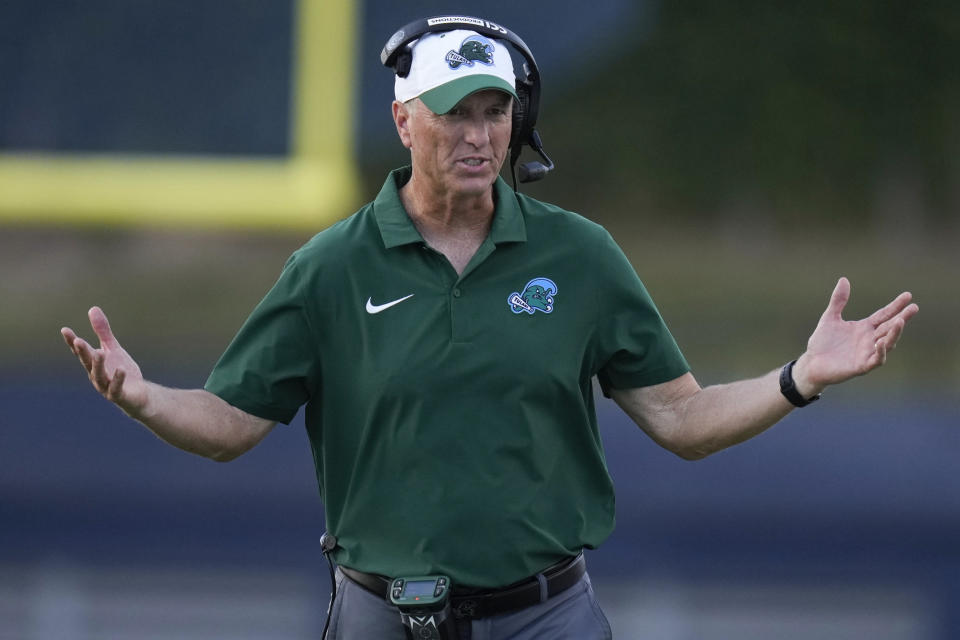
(533,171)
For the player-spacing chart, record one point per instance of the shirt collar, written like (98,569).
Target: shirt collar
(397,229)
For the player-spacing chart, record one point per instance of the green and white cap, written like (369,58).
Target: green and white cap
(448,66)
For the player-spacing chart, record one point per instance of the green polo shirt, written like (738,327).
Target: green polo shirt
(452,417)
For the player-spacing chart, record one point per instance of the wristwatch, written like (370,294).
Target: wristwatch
(789,389)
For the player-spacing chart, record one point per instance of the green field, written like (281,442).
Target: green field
(738,303)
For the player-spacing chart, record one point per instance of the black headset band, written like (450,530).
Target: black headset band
(414,30)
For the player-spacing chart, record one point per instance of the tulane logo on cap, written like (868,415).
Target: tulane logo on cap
(536,296)
(474,49)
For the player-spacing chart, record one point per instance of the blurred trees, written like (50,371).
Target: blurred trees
(810,111)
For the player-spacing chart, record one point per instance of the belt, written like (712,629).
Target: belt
(480,603)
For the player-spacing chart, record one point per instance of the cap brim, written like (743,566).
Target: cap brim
(446,96)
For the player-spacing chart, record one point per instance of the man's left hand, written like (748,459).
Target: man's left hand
(841,349)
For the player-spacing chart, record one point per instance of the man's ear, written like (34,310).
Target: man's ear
(401,118)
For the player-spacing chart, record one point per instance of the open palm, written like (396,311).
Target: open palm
(840,349)
(112,371)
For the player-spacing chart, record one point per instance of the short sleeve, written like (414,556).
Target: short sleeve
(635,348)
(270,367)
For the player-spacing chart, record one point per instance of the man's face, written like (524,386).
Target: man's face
(459,152)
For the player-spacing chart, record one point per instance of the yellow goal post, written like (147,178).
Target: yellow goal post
(311,187)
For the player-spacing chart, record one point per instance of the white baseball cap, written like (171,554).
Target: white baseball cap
(448,66)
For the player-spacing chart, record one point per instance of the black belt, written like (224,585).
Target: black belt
(480,603)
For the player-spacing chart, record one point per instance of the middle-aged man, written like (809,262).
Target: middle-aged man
(444,339)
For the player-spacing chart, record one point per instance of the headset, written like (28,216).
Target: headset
(397,54)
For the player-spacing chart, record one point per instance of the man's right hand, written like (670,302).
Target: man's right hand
(194,420)
(110,368)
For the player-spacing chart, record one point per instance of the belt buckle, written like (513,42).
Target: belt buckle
(465,609)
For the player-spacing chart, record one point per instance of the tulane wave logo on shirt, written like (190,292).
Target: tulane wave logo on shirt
(536,296)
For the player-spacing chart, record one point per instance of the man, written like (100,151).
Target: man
(444,339)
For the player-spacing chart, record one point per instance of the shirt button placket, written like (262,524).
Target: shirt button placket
(455,314)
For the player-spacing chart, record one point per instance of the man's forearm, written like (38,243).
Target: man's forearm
(200,422)
(719,416)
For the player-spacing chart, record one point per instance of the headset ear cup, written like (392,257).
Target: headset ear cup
(521,106)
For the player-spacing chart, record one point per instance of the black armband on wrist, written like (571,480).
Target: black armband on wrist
(789,389)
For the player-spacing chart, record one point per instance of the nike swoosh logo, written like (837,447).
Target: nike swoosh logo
(377,308)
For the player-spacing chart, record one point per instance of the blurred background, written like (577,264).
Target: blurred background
(162,160)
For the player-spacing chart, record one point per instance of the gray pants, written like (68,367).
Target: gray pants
(571,615)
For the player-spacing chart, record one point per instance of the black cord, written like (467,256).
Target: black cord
(327,544)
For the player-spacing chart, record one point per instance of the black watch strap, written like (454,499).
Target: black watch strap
(789,389)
